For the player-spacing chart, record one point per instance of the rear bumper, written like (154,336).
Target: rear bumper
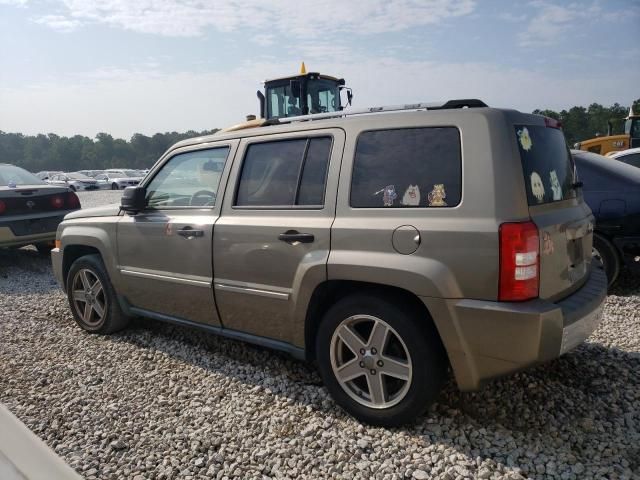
(16,232)
(629,248)
(490,339)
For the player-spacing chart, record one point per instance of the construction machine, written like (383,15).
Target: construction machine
(302,94)
(613,143)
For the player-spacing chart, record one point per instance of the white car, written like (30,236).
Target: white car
(75,181)
(117,180)
(630,156)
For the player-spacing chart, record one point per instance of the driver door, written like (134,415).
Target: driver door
(165,251)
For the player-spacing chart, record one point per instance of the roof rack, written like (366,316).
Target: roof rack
(450,104)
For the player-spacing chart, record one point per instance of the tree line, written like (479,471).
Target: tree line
(54,152)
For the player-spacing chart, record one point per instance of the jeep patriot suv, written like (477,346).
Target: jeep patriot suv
(385,245)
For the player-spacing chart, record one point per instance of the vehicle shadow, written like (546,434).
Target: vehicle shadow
(572,407)
(24,271)
(626,285)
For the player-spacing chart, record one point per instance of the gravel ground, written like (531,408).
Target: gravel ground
(158,401)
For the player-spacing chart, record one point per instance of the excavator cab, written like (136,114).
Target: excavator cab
(303,94)
(632,128)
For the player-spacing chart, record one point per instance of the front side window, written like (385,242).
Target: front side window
(407,168)
(323,96)
(188,179)
(284,173)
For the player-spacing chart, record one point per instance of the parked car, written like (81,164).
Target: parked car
(612,191)
(630,156)
(75,181)
(30,210)
(45,175)
(362,242)
(91,173)
(116,180)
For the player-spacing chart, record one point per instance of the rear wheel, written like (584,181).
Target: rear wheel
(114,186)
(605,252)
(91,296)
(381,360)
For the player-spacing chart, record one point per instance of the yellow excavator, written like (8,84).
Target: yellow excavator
(614,143)
(296,95)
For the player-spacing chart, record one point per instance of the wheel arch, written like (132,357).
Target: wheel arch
(71,254)
(329,292)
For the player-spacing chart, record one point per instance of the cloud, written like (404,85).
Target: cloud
(14,3)
(551,21)
(59,23)
(189,18)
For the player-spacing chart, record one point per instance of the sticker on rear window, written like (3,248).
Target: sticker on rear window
(411,196)
(388,195)
(525,139)
(556,188)
(537,188)
(437,195)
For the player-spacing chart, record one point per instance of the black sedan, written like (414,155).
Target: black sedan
(612,191)
(30,210)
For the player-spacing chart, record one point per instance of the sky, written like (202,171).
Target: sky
(145,66)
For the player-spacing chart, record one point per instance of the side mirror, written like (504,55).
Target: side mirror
(134,199)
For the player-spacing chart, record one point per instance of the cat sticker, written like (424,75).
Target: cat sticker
(556,189)
(537,188)
(525,139)
(437,195)
(411,196)
(388,195)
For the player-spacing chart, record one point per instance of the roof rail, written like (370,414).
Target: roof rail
(450,104)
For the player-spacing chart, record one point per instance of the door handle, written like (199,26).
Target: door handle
(293,236)
(190,232)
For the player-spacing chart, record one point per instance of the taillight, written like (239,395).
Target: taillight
(57,201)
(519,261)
(72,200)
(3,207)
(552,123)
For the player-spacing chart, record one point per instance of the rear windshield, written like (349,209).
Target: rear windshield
(546,163)
(11,176)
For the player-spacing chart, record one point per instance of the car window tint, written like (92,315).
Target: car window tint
(284,173)
(411,167)
(188,179)
(314,174)
(633,159)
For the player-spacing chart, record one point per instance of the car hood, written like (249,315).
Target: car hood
(105,211)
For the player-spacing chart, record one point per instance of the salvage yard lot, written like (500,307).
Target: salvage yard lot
(158,401)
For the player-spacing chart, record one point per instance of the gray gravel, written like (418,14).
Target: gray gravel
(158,401)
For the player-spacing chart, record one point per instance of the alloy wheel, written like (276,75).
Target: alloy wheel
(89,298)
(370,361)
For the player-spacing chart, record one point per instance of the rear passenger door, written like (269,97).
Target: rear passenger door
(272,240)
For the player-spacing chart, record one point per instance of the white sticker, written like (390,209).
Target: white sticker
(555,185)
(537,188)
(525,139)
(411,196)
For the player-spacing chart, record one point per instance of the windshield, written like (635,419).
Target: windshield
(131,173)
(323,96)
(11,176)
(546,163)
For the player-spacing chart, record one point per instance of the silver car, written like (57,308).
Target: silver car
(75,181)
(117,180)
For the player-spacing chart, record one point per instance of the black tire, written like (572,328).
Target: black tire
(114,186)
(113,318)
(427,359)
(73,189)
(44,248)
(605,252)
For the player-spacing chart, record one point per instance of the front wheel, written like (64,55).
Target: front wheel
(114,186)
(93,301)
(381,360)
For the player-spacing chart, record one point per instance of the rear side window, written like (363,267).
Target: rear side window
(546,163)
(407,168)
(284,173)
(633,159)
